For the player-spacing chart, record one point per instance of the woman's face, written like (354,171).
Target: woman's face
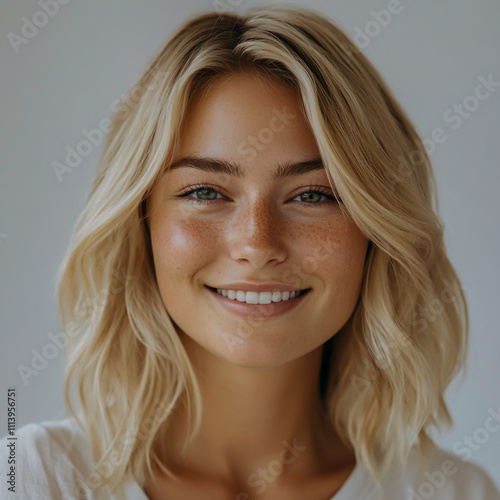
(247,208)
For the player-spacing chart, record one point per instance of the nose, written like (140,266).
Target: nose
(255,235)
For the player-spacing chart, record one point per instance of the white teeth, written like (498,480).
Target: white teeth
(257,297)
(265,297)
(252,297)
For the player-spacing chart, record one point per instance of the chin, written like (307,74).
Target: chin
(246,354)
(259,350)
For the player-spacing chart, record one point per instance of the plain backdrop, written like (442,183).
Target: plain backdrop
(62,79)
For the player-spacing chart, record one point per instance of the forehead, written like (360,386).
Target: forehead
(244,120)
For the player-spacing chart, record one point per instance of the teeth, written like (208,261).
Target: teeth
(257,297)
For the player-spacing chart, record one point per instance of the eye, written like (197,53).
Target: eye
(311,197)
(201,193)
(206,194)
(316,195)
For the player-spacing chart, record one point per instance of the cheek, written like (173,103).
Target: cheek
(345,264)
(336,253)
(338,247)
(349,251)
(181,247)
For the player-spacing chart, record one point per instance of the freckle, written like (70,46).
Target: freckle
(193,235)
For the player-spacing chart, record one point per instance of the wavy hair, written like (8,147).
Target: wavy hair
(384,374)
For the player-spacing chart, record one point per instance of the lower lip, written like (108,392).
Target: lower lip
(258,310)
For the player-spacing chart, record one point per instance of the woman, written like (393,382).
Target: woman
(247,285)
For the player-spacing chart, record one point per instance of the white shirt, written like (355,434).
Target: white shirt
(53,460)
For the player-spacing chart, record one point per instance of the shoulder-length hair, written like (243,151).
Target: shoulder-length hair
(384,374)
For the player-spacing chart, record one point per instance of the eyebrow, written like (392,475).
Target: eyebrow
(220,166)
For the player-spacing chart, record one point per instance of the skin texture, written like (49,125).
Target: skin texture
(258,376)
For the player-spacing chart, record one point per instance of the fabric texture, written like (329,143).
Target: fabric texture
(53,460)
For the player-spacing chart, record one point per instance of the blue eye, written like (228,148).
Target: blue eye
(313,197)
(206,194)
(316,195)
(201,194)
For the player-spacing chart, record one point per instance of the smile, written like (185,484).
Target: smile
(258,304)
(259,297)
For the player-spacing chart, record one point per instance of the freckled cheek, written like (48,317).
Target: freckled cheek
(341,252)
(182,247)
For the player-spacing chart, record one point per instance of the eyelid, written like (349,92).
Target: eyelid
(316,188)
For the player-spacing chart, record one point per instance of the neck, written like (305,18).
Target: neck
(254,416)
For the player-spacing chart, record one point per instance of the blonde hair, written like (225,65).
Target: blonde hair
(384,374)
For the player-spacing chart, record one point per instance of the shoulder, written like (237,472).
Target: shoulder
(47,460)
(443,476)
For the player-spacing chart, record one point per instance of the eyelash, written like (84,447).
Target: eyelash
(186,192)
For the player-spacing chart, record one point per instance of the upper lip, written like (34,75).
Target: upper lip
(258,287)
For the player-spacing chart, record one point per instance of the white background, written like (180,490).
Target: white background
(66,77)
